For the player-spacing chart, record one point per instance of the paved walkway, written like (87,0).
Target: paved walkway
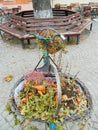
(16,61)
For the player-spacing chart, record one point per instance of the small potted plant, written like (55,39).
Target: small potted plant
(87,13)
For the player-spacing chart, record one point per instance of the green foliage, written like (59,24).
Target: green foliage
(40,107)
(32,128)
(8,109)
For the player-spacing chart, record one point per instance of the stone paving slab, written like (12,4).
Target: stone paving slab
(16,61)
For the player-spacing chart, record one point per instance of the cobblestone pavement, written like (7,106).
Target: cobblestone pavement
(16,61)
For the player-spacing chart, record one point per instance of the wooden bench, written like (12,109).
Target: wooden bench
(15,26)
(56,13)
(20,27)
(2,16)
(71,25)
(94,10)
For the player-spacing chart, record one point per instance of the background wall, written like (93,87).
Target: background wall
(71,1)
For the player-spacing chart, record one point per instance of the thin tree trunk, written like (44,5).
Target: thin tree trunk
(42,9)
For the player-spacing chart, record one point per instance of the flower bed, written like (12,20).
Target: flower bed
(36,98)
